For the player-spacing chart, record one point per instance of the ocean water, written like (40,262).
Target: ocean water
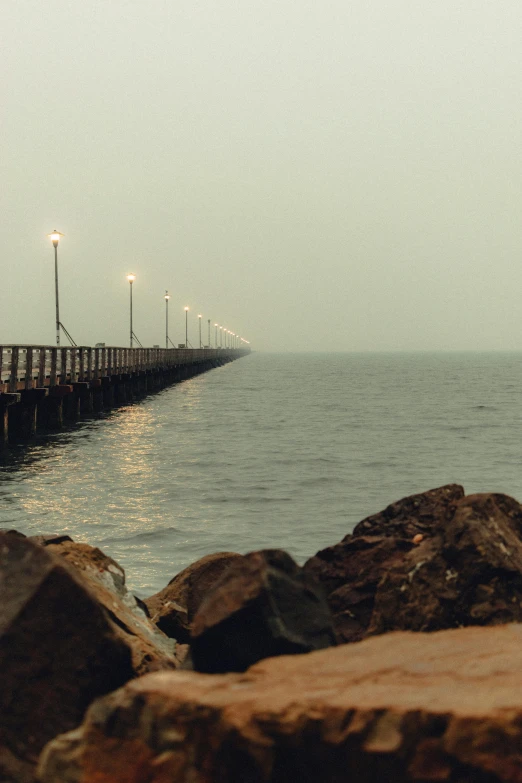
(272,450)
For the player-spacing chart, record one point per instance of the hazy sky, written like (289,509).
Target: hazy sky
(326,174)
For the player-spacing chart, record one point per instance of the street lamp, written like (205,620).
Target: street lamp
(55,239)
(221,336)
(167,297)
(215,335)
(186,327)
(131,278)
(208,341)
(199,318)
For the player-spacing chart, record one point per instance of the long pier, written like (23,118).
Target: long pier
(43,386)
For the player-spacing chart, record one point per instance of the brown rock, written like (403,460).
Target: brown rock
(470,574)
(466,569)
(46,539)
(150,648)
(414,514)
(402,708)
(64,640)
(263,605)
(174,607)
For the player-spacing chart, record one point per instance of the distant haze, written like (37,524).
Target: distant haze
(337,174)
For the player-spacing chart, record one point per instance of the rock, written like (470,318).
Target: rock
(46,539)
(470,574)
(403,708)
(58,651)
(151,649)
(4,530)
(263,605)
(431,561)
(174,607)
(351,573)
(65,639)
(414,514)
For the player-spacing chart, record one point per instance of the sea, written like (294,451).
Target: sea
(273,450)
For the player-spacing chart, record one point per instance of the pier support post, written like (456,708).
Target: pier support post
(108,392)
(54,405)
(6,400)
(121,392)
(97,395)
(22,416)
(79,401)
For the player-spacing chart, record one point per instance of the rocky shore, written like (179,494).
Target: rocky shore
(394,655)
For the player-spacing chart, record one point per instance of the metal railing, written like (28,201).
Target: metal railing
(34,366)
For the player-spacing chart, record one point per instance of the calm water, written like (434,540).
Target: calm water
(270,451)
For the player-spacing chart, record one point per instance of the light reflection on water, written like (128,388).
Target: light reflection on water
(286,451)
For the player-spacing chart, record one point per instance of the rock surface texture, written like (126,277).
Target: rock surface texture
(263,605)
(150,647)
(428,562)
(66,637)
(174,607)
(400,708)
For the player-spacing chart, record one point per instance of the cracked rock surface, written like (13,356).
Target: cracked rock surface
(403,707)
(431,561)
(69,632)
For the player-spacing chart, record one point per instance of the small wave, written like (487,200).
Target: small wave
(316,480)
(157,534)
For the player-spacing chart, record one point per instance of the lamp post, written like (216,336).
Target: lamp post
(55,239)
(215,335)
(186,327)
(221,337)
(167,297)
(131,278)
(199,319)
(208,341)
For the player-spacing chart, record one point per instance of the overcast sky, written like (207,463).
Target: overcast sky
(326,174)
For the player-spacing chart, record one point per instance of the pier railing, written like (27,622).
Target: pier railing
(39,366)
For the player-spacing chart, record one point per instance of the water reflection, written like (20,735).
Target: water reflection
(269,451)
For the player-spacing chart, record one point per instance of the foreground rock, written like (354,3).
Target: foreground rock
(431,561)
(174,607)
(263,605)
(65,638)
(399,708)
(150,648)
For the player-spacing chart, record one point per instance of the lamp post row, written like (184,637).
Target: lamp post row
(234,339)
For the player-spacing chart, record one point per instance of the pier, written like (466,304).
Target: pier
(41,387)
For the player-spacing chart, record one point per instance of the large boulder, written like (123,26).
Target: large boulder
(151,648)
(430,561)
(404,708)
(65,638)
(263,605)
(174,607)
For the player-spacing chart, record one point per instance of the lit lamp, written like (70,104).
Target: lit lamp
(55,239)
(199,318)
(166,297)
(186,327)
(215,335)
(131,278)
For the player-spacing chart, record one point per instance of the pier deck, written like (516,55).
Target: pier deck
(41,385)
